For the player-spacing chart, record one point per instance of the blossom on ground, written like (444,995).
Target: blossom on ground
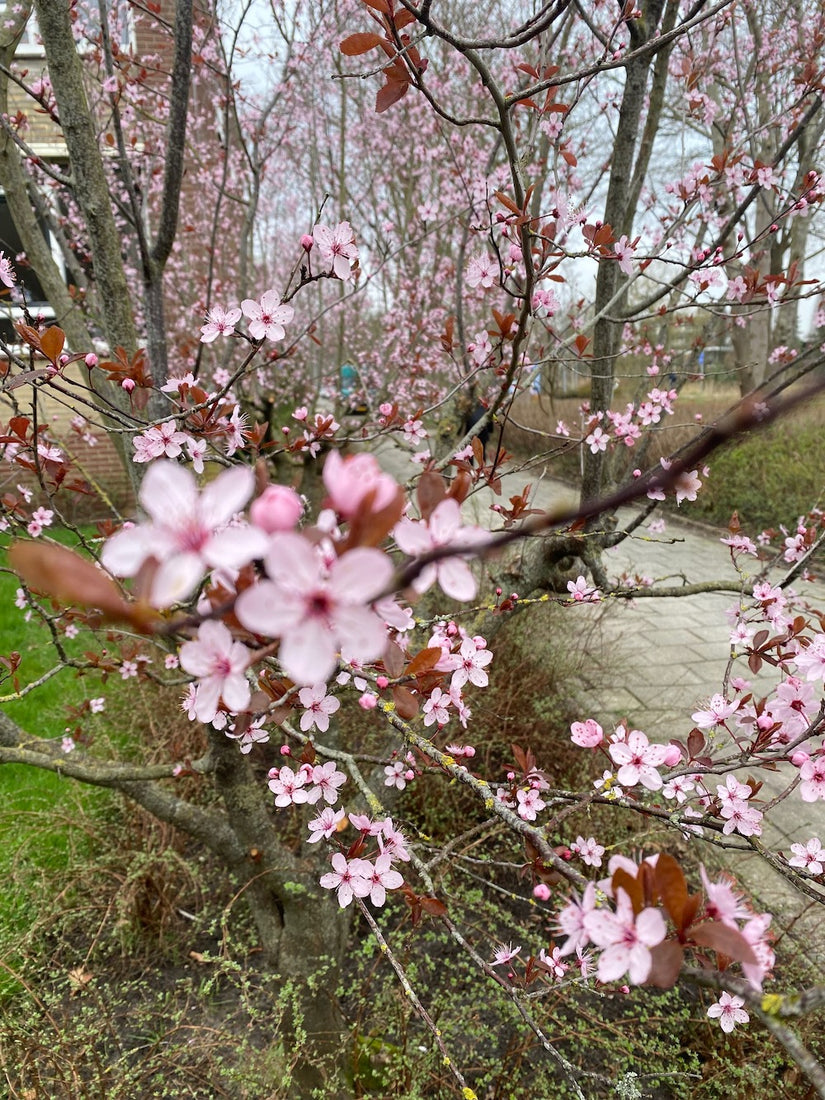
(729,1012)
(314,608)
(220,664)
(187,533)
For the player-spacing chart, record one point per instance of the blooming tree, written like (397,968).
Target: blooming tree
(284,610)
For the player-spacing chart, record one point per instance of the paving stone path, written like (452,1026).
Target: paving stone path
(664,657)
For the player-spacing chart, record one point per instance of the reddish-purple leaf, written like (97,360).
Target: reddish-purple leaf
(724,940)
(357,44)
(667,962)
(392,91)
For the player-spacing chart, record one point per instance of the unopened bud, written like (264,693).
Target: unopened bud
(307,242)
(128,384)
(91,360)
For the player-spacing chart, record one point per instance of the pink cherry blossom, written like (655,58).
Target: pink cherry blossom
(325,825)
(314,608)
(483,271)
(288,786)
(587,735)
(351,879)
(392,840)
(572,920)
(188,532)
(505,954)
(267,317)
(278,508)
(325,779)
(581,591)
(723,903)
(7,273)
(626,939)
(336,248)
(812,774)
(470,665)
(810,856)
(220,664)
(529,803)
(383,877)
(443,529)
(219,322)
(719,710)
(639,761)
(589,851)
(729,1012)
(319,706)
(350,480)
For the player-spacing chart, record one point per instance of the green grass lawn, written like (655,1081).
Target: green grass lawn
(39,811)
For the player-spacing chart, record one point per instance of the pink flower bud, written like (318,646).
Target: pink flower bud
(637,473)
(672,756)
(91,360)
(799,758)
(307,241)
(278,508)
(63,360)
(469,751)
(409,775)
(286,750)
(128,384)
(368,701)
(385,409)
(382,681)
(541,891)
